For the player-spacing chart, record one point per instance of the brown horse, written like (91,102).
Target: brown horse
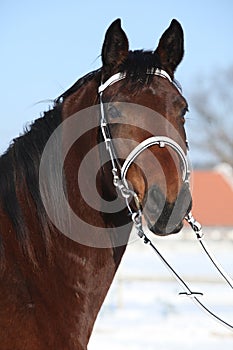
(64,225)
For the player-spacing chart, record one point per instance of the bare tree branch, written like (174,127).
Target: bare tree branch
(213,106)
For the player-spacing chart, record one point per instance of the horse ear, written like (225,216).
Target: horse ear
(115,47)
(171,47)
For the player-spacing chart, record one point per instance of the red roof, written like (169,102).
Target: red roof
(212,194)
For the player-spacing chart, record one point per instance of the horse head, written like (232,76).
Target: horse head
(143,114)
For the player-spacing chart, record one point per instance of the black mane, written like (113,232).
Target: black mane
(20,168)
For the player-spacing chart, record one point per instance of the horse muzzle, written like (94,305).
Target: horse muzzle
(162,217)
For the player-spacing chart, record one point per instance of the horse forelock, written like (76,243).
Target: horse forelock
(139,62)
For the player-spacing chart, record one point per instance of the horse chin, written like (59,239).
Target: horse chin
(165,231)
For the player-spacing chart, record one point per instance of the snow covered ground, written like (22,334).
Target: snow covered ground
(144,311)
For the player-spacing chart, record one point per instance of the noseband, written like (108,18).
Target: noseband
(119,172)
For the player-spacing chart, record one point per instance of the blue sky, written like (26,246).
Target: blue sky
(47,45)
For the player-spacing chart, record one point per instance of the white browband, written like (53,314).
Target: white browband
(113,79)
(119,76)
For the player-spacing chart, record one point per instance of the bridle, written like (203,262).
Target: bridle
(119,173)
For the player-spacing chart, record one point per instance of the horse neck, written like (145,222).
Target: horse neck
(89,268)
(74,282)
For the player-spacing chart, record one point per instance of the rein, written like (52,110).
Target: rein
(187,290)
(120,182)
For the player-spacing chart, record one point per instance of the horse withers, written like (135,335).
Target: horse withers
(64,221)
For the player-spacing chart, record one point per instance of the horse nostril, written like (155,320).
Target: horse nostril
(181,206)
(155,201)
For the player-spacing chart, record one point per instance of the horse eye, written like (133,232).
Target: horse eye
(113,112)
(182,114)
(184,111)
